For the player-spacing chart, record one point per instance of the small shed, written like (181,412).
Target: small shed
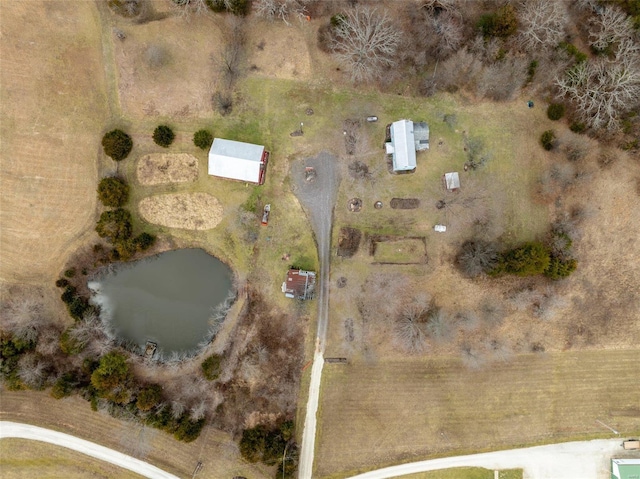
(236,160)
(299,284)
(625,468)
(452,181)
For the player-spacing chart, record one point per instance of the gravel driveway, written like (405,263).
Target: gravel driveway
(318,198)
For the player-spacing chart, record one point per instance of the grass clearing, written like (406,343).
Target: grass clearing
(379,413)
(25,458)
(158,169)
(399,250)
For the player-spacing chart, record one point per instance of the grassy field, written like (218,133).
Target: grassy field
(381,413)
(400,251)
(466,473)
(24,458)
(50,134)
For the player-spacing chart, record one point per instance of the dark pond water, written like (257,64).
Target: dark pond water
(170,299)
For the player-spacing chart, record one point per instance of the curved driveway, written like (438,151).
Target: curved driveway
(26,431)
(567,460)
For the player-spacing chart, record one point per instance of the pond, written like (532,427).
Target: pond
(175,299)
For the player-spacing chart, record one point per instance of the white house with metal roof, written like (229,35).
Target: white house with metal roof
(407,137)
(238,161)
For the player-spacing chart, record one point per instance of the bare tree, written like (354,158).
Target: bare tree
(186,8)
(366,42)
(281,9)
(32,370)
(199,410)
(411,328)
(542,23)
(476,257)
(611,26)
(440,325)
(602,90)
(448,28)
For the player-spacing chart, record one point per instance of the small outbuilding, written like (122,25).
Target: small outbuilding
(406,137)
(236,160)
(452,181)
(299,284)
(625,468)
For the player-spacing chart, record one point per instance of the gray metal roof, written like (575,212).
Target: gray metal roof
(421,134)
(403,141)
(235,160)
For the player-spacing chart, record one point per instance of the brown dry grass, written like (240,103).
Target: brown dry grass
(192,211)
(50,133)
(157,169)
(216,450)
(24,458)
(279,51)
(186,43)
(386,412)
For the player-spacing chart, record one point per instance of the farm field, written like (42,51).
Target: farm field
(385,412)
(218,453)
(24,458)
(49,133)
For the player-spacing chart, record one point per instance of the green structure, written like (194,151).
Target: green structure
(625,468)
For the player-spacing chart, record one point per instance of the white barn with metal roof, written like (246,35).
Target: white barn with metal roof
(238,161)
(402,146)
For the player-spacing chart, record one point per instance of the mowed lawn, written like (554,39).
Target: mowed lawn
(379,414)
(54,107)
(23,458)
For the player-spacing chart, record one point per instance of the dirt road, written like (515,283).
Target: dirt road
(316,190)
(26,431)
(568,460)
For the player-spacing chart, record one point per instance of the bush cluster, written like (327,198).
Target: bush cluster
(163,136)
(211,367)
(266,445)
(203,139)
(502,23)
(11,350)
(548,140)
(113,191)
(555,111)
(236,7)
(117,144)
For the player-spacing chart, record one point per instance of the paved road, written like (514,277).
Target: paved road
(26,431)
(568,460)
(318,198)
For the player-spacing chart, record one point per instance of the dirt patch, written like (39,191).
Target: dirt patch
(351,133)
(358,170)
(157,169)
(53,108)
(348,242)
(404,203)
(398,250)
(193,211)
